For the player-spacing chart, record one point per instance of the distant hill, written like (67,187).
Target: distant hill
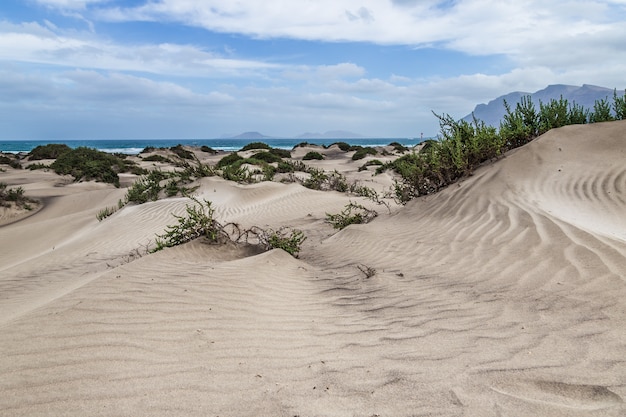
(331,134)
(250,135)
(492,112)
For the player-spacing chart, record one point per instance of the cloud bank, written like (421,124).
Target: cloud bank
(199,69)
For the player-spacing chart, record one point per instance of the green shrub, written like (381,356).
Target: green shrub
(373,162)
(146,188)
(352,214)
(619,105)
(12,162)
(284,167)
(235,172)
(266,157)
(283,153)
(157,158)
(342,145)
(229,160)
(15,196)
(363,152)
(182,152)
(398,147)
(312,155)
(36,166)
(49,151)
(90,164)
(208,149)
(200,222)
(105,212)
(288,240)
(601,112)
(255,145)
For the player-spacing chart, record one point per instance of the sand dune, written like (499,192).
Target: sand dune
(502,295)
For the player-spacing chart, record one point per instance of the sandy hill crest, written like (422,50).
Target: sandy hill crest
(500,295)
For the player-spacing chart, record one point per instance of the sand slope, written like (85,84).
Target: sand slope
(502,295)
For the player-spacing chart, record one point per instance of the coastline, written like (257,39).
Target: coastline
(135,146)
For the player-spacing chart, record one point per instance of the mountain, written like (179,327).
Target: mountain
(250,135)
(492,112)
(331,134)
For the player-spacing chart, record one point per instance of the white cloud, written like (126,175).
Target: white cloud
(34,43)
(528,30)
(70,4)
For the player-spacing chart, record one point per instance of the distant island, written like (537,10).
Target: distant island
(331,134)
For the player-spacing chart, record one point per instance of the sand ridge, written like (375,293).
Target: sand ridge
(501,295)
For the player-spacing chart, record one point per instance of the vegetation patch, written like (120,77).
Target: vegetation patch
(373,162)
(90,164)
(181,152)
(37,165)
(342,145)
(267,157)
(200,222)
(12,162)
(352,214)
(157,158)
(14,197)
(362,152)
(255,145)
(283,153)
(208,149)
(229,159)
(311,155)
(398,147)
(49,151)
(463,145)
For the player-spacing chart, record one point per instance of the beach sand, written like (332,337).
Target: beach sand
(502,295)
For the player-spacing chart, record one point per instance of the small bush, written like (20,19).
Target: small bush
(255,145)
(36,166)
(352,214)
(398,147)
(342,145)
(208,149)
(182,152)
(373,162)
(283,153)
(312,155)
(146,188)
(90,164)
(288,240)
(12,162)
(266,157)
(157,158)
(229,160)
(601,112)
(105,212)
(15,196)
(200,222)
(363,152)
(49,151)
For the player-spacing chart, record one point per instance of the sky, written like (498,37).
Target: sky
(191,69)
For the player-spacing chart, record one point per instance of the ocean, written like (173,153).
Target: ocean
(134,146)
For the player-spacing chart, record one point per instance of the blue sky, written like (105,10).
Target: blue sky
(96,69)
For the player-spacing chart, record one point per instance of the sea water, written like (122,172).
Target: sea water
(135,146)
